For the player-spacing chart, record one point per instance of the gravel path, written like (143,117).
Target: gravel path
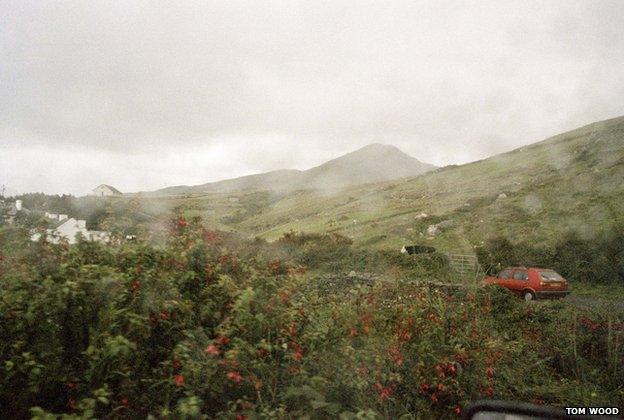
(584,301)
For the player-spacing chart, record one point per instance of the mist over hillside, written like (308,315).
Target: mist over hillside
(569,182)
(373,163)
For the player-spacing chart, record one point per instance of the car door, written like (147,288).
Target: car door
(520,280)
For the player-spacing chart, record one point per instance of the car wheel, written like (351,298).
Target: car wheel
(529,296)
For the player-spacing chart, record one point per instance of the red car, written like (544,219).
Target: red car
(531,283)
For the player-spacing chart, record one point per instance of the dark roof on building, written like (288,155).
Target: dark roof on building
(53,223)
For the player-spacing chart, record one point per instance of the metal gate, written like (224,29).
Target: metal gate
(464,264)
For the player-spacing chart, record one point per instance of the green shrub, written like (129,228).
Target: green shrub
(207,324)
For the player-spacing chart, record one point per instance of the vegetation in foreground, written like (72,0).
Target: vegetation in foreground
(203,324)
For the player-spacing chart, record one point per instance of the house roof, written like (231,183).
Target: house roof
(110,187)
(57,223)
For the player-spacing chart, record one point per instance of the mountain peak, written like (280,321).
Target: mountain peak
(378,147)
(374,152)
(374,162)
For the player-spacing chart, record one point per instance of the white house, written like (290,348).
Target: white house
(71,229)
(55,216)
(106,191)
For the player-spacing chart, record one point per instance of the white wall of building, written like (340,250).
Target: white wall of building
(71,230)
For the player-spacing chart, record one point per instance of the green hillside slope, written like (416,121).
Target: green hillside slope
(573,181)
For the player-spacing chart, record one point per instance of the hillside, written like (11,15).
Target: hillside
(572,181)
(277,180)
(372,163)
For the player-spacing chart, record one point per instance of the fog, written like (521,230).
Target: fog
(147,94)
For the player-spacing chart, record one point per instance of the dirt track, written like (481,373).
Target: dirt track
(585,301)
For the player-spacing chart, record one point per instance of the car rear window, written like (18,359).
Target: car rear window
(550,275)
(505,274)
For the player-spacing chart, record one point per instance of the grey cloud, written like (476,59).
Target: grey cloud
(144,89)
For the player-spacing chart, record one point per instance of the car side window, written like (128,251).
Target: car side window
(521,275)
(505,274)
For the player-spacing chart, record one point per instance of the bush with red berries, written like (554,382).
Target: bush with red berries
(208,324)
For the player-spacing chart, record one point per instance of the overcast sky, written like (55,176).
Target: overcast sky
(146,94)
